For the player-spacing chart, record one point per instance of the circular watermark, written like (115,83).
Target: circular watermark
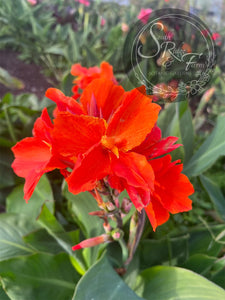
(171,52)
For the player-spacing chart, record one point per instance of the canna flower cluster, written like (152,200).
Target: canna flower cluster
(108,134)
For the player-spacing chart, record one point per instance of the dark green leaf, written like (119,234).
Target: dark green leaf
(12,229)
(39,277)
(215,194)
(42,194)
(101,282)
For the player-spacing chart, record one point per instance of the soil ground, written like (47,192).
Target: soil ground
(30,74)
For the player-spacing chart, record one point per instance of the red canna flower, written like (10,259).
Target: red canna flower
(87,75)
(112,135)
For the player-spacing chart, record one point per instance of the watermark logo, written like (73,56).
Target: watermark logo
(171,52)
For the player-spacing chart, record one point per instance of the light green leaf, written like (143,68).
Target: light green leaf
(209,152)
(39,277)
(172,283)
(80,206)
(10,81)
(12,229)
(101,282)
(91,226)
(15,202)
(215,194)
(186,128)
(55,229)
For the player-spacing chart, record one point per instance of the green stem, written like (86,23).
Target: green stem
(10,126)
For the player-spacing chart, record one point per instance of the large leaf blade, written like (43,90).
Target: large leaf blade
(209,152)
(172,283)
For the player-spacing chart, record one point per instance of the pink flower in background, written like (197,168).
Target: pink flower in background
(85,2)
(103,21)
(32,2)
(205,32)
(124,27)
(216,36)
(169,35)
(144,15)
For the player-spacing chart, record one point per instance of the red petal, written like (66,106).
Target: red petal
(154,146)
(85,76)
(90,167)
(101,98)
(30,154)
(133,120)
(107,71)
(172,188)
(31,158)
(156,213)
(64,103)
(73,135)
(43,126)
(137,175)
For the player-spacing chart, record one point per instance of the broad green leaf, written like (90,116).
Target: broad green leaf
(199,263)
(218,278)
(39,277)
(42,242)
(3,295)
(215,194)
(203,240)
(15,202)
(80,206)
(209,152)
(55,229)
(172,283)
(101,282)
(12,229)
(166,250)
(186,128)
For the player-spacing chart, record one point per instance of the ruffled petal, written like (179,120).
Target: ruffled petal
(101,98)
(172,188)
(74,135)
(90,167)
(84,75)
(133,120)
(137,177)
(63,102)
(156,213)
(43,127)
(154,146)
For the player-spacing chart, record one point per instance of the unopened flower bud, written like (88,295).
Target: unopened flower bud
(126,205)
(92,242)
